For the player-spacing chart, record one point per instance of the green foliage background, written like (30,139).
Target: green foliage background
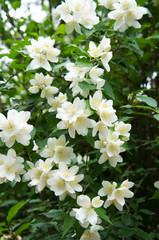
(135,59)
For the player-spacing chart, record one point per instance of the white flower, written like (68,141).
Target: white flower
(11,167)
(92,233)
(76,75)
(112,160)
(118,195)
(123,129)
(94,74)
(101,127)
(57,151)
(15,127)
(65,181)
(107,189)
(156,184)
(49,92)
(108,3)
(57,101)
(126,14)
(76,12)
(96,100)
(42,51)
(86,214)
(40,82)
(38,174)
(102,51)
(74,117)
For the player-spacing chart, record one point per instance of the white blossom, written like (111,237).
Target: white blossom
(102,51)
(156,184)
(74,116)
(92,233)
(64,181)
(75,13)
(42,51)
(126,14)
(57,101)
(123,129)
(11,167)
(38,174)
(86,214)
(108,3)
(116,195)
(57,151)
(15,127)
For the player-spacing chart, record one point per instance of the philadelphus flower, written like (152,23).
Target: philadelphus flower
(115,195)
(57,101)
(74,117)
(75,12)
(64,181)
(102,52)
(110,147)
(92,233)
(57,152)
(78,74)
(108,3)
(38,174)
(126,14)
(86,214)
(42,51)
(104,108)
(43,83)
(15,127)
(11,167)
(156,184)
(123,129)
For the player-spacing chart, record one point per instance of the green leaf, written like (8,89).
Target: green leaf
(156,116)
(33,132)
(68,223)
(83,62)
(149,101)
(148,212)
(125,232)
(61,29)
(55,214)
(155,195)
(140,233)
(86,86)
(108,90)
(13,211)
(22,228)
(102,214)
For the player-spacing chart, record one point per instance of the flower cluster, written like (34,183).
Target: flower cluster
(109,141)
(86,214)
(41,82)
(116,195)
(74,117)
(15,128)
(57,152)
(78,74)
(126,14)
(11,167)
(92,233)
(108,3)
(64,181)
(76,12)
(42,51)
(102,51)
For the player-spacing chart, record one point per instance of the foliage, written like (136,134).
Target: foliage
(132,84)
